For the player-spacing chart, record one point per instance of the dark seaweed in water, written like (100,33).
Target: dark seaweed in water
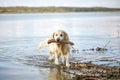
(96,49)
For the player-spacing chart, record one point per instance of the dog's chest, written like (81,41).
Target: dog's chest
(62,49)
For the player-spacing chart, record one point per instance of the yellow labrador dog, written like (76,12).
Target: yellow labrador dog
(57,49)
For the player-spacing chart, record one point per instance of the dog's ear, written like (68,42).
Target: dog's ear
(66,36)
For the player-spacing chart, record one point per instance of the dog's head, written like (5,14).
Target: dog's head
(60,35)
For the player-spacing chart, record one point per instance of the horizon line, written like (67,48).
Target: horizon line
(67,6)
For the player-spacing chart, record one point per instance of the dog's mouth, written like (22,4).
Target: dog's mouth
(58,42)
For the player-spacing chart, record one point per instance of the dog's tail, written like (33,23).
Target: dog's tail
(42,45)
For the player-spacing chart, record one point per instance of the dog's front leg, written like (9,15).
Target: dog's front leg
(67,60)
(56,59)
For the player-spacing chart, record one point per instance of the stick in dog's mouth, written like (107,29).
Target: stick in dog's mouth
(62,42)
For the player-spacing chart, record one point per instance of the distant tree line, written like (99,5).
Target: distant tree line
(55,9)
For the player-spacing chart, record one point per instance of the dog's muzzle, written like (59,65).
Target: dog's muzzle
(58,40)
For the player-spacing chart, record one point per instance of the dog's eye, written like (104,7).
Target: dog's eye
(61,35)
(56,35)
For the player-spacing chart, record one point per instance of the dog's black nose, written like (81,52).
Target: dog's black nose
(58,40)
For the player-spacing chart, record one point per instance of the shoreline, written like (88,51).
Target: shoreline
(24,9)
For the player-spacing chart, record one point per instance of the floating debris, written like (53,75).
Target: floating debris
(96,49)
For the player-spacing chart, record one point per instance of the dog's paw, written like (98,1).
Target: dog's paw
(51,60)
(56,62)
(68,65)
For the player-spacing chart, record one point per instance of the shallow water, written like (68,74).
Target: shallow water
(20,35)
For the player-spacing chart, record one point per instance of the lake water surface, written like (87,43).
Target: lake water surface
(20,35)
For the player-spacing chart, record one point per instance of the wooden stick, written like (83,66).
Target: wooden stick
(62,42)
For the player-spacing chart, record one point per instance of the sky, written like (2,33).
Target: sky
(75,3)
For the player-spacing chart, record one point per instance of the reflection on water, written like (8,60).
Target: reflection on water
(21,34)
(56,74)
